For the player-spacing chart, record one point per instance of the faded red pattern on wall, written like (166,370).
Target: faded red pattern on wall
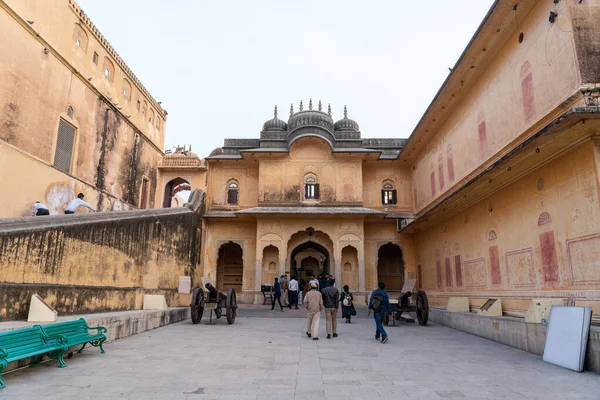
(527,95)
(432,178)
(448,272)
(438,273)
(441,172)
(457,265)
(549,260)
(482,131)
(450,160)
(495,263)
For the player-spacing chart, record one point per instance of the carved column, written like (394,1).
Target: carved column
(258,275)
(338,272)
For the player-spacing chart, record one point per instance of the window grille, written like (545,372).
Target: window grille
(64,146)
(232,193)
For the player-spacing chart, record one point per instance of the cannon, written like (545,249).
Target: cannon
(410,301)
(213,300)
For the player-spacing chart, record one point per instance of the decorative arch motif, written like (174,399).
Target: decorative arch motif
(527,94)
(80,37)
(108,69)
(388,192)
(492,235)
(440,161)
(126,90)
(544,219)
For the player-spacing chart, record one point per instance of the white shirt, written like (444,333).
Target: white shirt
(75,203)
(39,206)
(293,285)
(315,281)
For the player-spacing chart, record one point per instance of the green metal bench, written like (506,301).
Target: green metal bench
(76,333)
(30,342)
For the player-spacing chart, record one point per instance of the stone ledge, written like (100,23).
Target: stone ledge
(514,332)
(120,324)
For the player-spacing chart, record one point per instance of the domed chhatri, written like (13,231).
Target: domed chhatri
(346,124)
(274,124)
(310,117)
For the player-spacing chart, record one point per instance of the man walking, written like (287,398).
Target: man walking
(331,298)
(40,209)
(75,203)
(284,290)
(276,295)
(313,302)
(380,304)
(293,288)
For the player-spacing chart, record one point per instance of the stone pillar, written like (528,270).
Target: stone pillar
(361,275)
(258,275)
(338,273)
(281,268)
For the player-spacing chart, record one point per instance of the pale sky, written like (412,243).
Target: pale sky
(219,67)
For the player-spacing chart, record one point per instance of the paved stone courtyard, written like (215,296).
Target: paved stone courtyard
(266,355)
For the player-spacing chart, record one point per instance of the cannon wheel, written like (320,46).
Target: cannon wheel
(231,306)
(197,306)
(422,308)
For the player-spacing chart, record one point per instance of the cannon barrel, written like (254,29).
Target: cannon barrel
(214,294)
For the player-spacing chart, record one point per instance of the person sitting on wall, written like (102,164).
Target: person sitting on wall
(75,203)
(40,209)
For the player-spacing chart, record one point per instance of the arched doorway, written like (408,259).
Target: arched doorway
(174,186)
(309,258)
(390,266)
(309,253)
(230,267)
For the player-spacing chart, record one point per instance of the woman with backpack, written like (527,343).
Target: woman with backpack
(347,305)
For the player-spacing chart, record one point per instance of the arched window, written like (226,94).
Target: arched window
(150,116)
(109,69)
(311,187)
(70,111)
(232,193)
(80,37)
(388,193)
(126,89)
(144,107)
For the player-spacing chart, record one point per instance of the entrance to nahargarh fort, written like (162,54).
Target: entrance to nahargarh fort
(309,254)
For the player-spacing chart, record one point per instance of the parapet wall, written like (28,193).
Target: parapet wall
(97,262)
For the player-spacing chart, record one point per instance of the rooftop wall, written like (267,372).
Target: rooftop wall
(97,262)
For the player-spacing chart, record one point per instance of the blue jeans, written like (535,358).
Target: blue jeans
(379,323)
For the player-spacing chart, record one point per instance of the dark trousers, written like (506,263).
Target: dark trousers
(278,298)
(293,298)
(69,212)
(42,212)
(379,323)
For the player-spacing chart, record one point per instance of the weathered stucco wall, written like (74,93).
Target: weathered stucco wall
(46,73)
(374,174)
(96,262)
(537,237)
(526,83)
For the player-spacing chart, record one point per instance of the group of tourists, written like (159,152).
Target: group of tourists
(321,294)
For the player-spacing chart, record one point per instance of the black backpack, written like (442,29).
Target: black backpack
(377,302)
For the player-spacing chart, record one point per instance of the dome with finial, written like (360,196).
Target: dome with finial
(311,117)
(274,124)
(346,124)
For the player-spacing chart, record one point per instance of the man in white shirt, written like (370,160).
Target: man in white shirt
(293,288)
(75,203)
(40,209)
(315,281)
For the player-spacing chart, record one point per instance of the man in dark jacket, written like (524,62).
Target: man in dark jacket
(380,304)
(276,295)
(331,302)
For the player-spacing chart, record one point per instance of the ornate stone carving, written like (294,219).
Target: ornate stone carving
(492,235)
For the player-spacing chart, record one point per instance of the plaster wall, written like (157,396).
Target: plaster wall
(281,180)
(374,174)
(525,85)
(537,237)
(221,173)
(96,262)
(57,23)
(111,155)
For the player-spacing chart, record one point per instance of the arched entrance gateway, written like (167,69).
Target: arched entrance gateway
(309,254)
(173,187)
(230,267)
(390,266)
